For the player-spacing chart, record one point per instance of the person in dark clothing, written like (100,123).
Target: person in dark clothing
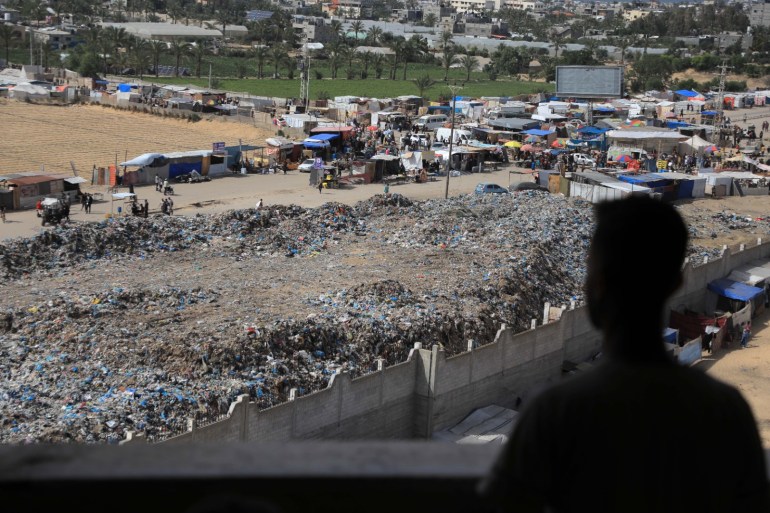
(635,434)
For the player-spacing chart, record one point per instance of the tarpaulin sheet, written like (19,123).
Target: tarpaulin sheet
(686,93)
(183,168)
(734,290)
(142,160)
(325,137)
(537,132)
(644,180)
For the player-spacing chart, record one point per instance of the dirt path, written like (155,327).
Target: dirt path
(748,371)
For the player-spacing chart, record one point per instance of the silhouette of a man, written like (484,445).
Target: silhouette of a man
(638,432)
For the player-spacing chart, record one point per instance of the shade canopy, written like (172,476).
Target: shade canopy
(142,160)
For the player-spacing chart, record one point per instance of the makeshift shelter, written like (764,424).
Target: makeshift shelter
(694,144)
(732,296)
(171,165)
(27,189)
(647,138)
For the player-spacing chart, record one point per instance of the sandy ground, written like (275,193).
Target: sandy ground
(39,137)
(52,136)
(748,371)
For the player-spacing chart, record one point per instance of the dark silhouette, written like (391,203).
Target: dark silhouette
(638,432)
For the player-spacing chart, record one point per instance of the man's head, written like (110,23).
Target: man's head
(635,261)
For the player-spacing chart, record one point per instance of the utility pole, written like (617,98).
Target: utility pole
(209,76)
(721,97)
(454,88)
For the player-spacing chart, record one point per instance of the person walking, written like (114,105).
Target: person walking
(746,334)
(320,187)
(89,202)
(259,204)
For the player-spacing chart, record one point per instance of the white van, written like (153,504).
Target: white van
(443,134)
(430,122)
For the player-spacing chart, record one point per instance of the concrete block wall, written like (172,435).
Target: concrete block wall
(430,391)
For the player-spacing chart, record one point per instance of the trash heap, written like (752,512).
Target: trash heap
(90,362)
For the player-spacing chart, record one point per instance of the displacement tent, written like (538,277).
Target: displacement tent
(733,296)
(319,141)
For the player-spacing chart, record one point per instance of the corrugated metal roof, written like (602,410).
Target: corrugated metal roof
(31,180)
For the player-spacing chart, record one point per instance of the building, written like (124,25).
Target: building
(524,5)
(311,28)
(166,31)
(475,5)
(760,14)
(9,15)
(55,38)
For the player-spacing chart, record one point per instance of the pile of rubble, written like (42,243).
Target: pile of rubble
(88,362)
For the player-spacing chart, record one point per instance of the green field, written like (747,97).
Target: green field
(371,88)
(225,69)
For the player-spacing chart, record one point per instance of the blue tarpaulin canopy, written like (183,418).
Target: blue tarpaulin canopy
(709,113)
(537,132)
(124,88)
(734,289)
(676,124)
(686,93)
(324,137)
(646,180)
(592,130)
(319,141)
(605,109)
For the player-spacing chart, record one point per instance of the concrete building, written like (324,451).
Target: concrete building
(55,38)
(475,5)
(760,14)
(524,5)
(9,15)
(313,28)
(167,31)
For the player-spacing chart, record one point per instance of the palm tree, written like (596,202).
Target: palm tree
(423,83)
(336,29)
(260,56)
(373,35)
(348,55)
(277,55)
(469,64)
(178,49)
(6,35)
(357,26)
(157,48)
(366,58)
(141,58)
(429,20)
(448,59)
(415,48)
(378,63)
(399,47)
(198,53)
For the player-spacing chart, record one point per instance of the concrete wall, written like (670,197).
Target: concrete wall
(429,391)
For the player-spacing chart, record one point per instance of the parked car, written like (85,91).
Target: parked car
(307,165)
(438,145)
(581,159)
(490,188)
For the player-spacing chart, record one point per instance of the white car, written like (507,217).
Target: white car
(581,159)
(307,166)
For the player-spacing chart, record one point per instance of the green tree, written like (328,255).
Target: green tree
(179,50)
(278,55)
(7,36)
(198,53)
(429,20)
(157,49)
(141,58)
(357,27)
(469,64)
(423,83)
(261,55)
(373,35)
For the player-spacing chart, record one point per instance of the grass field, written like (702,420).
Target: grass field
(224,68)
(370,87)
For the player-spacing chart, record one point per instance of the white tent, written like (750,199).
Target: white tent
(694,143)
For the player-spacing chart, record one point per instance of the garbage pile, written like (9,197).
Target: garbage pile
(87,363)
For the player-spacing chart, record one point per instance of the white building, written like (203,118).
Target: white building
(760,14)
(167,31)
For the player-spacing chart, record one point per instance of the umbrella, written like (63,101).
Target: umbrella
(670,115)
(624,158)
(372,128)
(513,144)
(532,139)
(711,149)
(637,122)
(527,147)
(559,143)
